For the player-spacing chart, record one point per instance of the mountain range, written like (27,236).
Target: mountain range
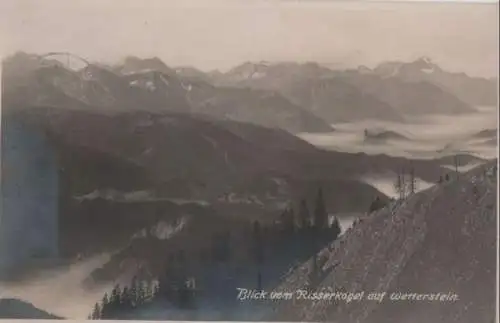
(143,85)
(291,96)
(475,91)
(383,93)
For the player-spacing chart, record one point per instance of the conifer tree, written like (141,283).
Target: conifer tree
(456,163)
(96,313)
(400,185)
(403,183)
(282,221)
(377,204)
(105,299)
(214,243)
(156,289)
(115,297)
(202,256)
(148,290)
(412,182)
(289,224)
(226,245)
(257,245)
(186,294)
(141,295)
(320,213)
(304,215)
(314,270)
(166,285)
(259,280)
(104,306)
(335,228)
(133,292)
(125,298)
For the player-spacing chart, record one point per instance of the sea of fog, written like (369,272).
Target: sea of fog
(425,137)
(428,136)
(60,291)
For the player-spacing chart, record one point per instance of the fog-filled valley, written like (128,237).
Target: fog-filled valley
(426,137)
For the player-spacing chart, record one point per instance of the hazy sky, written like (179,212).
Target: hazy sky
(212,34)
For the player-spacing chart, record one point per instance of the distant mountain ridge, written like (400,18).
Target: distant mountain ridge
(142,85)
(349,95)
(261,107)
(383,135)
(93,87)
(409,97)
(389,91)
(311,86)
(486,134)
(132,65)
(476,91)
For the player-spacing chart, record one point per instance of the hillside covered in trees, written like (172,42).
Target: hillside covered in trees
(254,258)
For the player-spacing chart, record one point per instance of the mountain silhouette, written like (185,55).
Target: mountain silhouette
(17,309)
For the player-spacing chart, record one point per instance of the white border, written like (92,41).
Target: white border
(310,2)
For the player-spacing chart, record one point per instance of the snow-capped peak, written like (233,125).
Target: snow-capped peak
(250,70)
(427,70)
(426,60)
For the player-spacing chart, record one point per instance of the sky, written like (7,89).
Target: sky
(219,34)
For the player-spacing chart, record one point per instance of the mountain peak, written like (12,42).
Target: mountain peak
(133,64)
(364,69)
(422,65)
(425,59)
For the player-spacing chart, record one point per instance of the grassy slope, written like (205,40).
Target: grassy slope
(439,240)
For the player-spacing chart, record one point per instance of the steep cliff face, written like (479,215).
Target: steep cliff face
(441,240)
(29,197)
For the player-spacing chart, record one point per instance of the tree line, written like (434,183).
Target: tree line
(406,183)
(310,228)
(120,300)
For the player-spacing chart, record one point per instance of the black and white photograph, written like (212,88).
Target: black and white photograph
(230,160)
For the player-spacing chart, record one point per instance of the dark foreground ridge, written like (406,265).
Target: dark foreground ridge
(441,240)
